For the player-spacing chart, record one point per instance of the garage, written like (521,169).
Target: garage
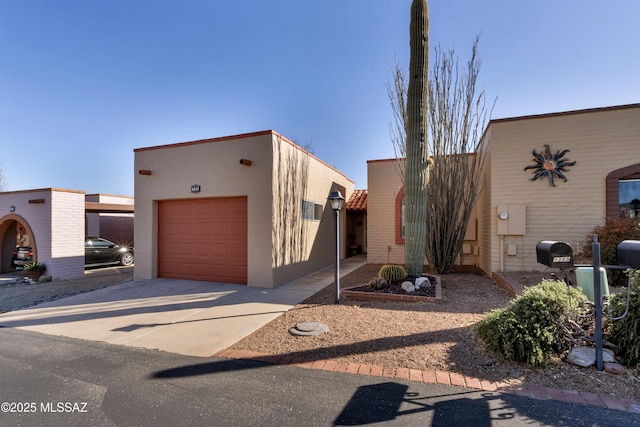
(203,239)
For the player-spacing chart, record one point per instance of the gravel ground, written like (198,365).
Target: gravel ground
(21,295)
(424,336)
(414,335)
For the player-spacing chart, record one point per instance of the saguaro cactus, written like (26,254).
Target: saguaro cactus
(417,167)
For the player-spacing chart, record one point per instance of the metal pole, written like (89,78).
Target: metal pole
(337,277)
(598,300)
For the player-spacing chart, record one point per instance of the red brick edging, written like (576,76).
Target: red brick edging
(443,378)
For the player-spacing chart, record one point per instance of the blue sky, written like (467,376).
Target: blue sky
(84,82)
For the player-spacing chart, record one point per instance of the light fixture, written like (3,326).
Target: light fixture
(12,208)
(336,200)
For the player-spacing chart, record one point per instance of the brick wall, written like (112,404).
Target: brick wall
(67,235)
(384,183)
(600,141)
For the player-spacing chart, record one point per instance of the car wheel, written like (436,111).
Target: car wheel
(126,259)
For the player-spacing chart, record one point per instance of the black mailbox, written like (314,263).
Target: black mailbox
(628,253)
(554,254)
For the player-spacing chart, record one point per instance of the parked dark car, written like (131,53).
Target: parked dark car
(21,256)
(99,251)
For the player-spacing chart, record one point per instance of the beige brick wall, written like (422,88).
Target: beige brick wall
(600,141)
(384,183)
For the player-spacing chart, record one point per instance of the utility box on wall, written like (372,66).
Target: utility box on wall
(512,220)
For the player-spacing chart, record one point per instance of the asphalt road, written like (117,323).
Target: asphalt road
(56,381)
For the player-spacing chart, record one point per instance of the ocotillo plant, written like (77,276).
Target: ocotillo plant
(417,166)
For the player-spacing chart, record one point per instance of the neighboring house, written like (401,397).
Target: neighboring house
(52,222)
(110,217)
(516,211)
(249,209)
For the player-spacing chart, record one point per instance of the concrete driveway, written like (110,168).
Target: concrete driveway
(179,316)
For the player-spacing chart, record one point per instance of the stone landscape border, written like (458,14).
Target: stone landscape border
(387,297)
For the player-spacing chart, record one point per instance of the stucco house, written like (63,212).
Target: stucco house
(521,206)
(54,223)
(249,209)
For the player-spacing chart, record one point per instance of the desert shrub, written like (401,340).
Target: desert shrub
(609,235)
(525,330)
(392,273)
(378,284)
(625,333)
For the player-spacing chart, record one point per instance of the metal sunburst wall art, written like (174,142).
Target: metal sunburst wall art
(549,165)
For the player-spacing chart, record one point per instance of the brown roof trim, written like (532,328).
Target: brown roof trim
(567,113)
(241,136)
(382,160)
(204,141)
(110,195)
(107,207)
(40,190)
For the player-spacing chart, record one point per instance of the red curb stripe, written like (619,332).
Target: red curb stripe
(364,370)
(593,399)
(473,383)
(329,365)
(538,392)
(613,403)
(376,371)
(415,375)
(457,379)
(440,377)
(443,378)
(402,373)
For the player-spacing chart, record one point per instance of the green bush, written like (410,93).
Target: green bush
(625,333)
(609,235)
(392,273)
(525,330)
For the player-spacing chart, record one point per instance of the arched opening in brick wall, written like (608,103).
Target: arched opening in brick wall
(14,231)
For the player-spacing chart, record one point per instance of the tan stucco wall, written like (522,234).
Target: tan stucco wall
(303,246)
(600,141)
(215,166)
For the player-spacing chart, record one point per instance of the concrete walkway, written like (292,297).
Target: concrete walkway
(179,316)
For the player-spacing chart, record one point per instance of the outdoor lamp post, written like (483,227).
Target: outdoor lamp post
(337,202)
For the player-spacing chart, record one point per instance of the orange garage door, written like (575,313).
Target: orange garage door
(203,239)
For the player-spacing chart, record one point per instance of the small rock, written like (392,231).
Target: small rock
(422,281)
(586,356)
(44,278)
(408,286)
(614,368)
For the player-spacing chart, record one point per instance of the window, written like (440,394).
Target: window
(629,198)
(311,211)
